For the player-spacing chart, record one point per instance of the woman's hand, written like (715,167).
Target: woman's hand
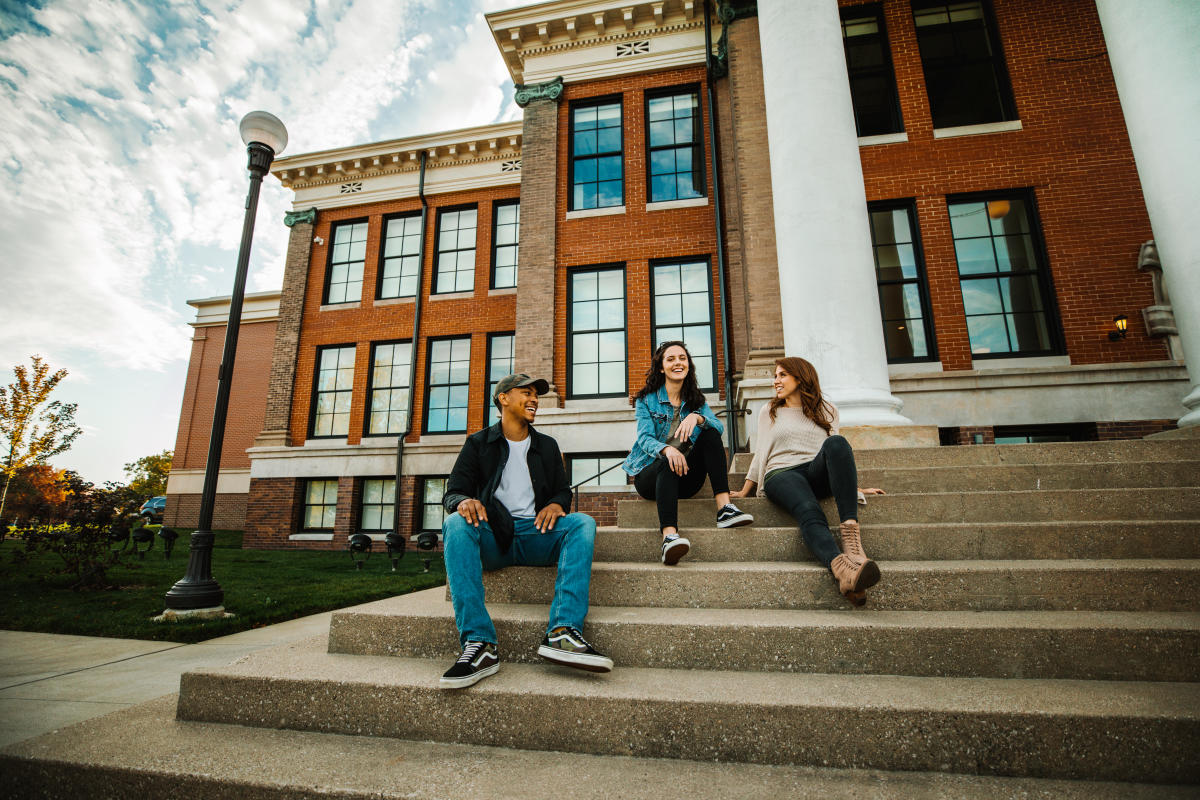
(687,425)
(747,490)
(676,460)
(872,491)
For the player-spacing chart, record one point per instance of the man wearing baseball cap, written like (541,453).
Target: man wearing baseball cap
(507,499)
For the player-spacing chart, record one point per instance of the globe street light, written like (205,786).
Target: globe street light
(198,592)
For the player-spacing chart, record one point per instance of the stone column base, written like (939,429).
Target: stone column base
(279,438)
(884,437)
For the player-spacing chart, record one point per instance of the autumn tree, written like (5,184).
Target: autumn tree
(148,475)
(33,428)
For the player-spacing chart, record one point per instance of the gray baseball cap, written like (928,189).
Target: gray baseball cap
(517,380)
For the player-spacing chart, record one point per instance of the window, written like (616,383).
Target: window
(449,373)
(597,332)
(401,270)
(344,283)
(676,146)
(900,274)
(506,235)
(387,410)
(585,465)
(320,504)
(334,386)
(456,251)
(597,173)
(1004,282)
(964,67)
(683,312)
(432,512)
(378,505)
(500,363)
(869,65)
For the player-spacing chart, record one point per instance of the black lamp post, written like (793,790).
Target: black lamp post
(265,137)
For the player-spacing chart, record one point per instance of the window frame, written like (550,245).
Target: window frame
(362,504)
(333,228)
(383,238)
(1054,329)
(618,455)
(712,314)
(305,505)
(571,272)
(922,279)
(887,69)
(437,248)
(419,526)
(429,343)
(699,172)
(590,102)
(312,409)
(367,401)
(488,407)
(496,206)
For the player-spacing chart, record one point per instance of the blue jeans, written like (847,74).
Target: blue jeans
(470,550)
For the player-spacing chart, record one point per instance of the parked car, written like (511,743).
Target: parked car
(153,509)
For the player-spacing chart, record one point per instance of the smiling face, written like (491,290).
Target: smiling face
(675,363)
(785,383)
(519,403)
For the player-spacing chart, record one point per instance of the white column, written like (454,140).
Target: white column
(1154,49)
(826,268)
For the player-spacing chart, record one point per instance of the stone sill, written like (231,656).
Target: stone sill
(452,296)
(310,537)
(990,364)
(395,301)
(595,212)
(977,130)
(665,205)
(340,306)
(501,292)
(624,488)
(883,138)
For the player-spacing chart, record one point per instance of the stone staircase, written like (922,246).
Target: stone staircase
(1036,633)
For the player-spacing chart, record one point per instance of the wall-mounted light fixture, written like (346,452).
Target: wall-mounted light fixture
(1122,324)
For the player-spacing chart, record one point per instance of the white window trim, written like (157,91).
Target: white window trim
(595,212)
(978,130)
(687,202)
(883,138)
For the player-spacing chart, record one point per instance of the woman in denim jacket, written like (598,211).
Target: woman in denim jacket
(678,445)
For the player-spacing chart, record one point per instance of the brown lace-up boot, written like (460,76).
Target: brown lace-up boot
(852,541)
(854,579)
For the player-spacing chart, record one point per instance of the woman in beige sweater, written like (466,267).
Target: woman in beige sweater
(800,457)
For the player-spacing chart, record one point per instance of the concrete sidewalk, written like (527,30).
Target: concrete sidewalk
(48,681)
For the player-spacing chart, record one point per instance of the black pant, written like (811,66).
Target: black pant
(832,472)
(658,482)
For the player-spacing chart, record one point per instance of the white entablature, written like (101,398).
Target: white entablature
(580,39)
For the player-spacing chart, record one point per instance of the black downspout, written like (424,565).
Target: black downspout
(731,419)
(412,359)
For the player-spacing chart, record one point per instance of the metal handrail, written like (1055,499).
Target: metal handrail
(575,488)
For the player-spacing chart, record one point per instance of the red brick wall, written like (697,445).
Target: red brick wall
(1073,151)
(229,511)
(637,236)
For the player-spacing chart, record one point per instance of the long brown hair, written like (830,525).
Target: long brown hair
(815,406)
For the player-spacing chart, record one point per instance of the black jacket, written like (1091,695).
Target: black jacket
(481,463)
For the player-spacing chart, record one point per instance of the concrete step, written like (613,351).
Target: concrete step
(1033,477)
(1048,585)
(1009,506)
(1121,730)
(1084,645)
(1049,453)
(936,541)
(110,758)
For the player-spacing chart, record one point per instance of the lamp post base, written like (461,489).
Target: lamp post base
(188,614)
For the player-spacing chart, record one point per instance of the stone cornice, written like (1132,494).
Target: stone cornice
(535,30)
(497,142)
(256,307)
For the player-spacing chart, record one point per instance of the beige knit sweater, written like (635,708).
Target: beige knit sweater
(790,439)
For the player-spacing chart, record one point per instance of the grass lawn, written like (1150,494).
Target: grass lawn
(261,587)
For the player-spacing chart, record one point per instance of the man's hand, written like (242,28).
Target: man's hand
(687,425)
(547,517)
(676,460)
(472,511)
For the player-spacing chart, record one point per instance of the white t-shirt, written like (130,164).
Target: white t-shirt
(516,487)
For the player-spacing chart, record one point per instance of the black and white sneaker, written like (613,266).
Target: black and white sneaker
(567,646)
(478,660)
(730,516)
(674,547)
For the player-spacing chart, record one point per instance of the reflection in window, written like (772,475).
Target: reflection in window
(869,66)
(401,256)
(683,312)
(390,368)
(1003,282)
(335,385)
(900,274)
(378,504)
(583,467)
(500,363)
(964,67)
(456,251)
(597,332)
(449,373)
(505,241)
(320,504)
(596,170)
(676,158)
(432,512)
(346,263)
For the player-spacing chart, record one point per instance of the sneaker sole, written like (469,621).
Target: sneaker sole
(672,554)
(468,680)
(736,522)
(576,660)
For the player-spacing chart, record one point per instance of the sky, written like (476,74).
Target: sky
(124,178)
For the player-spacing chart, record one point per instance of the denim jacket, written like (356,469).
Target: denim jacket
(654,413)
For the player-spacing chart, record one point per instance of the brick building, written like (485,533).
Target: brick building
(936,203)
